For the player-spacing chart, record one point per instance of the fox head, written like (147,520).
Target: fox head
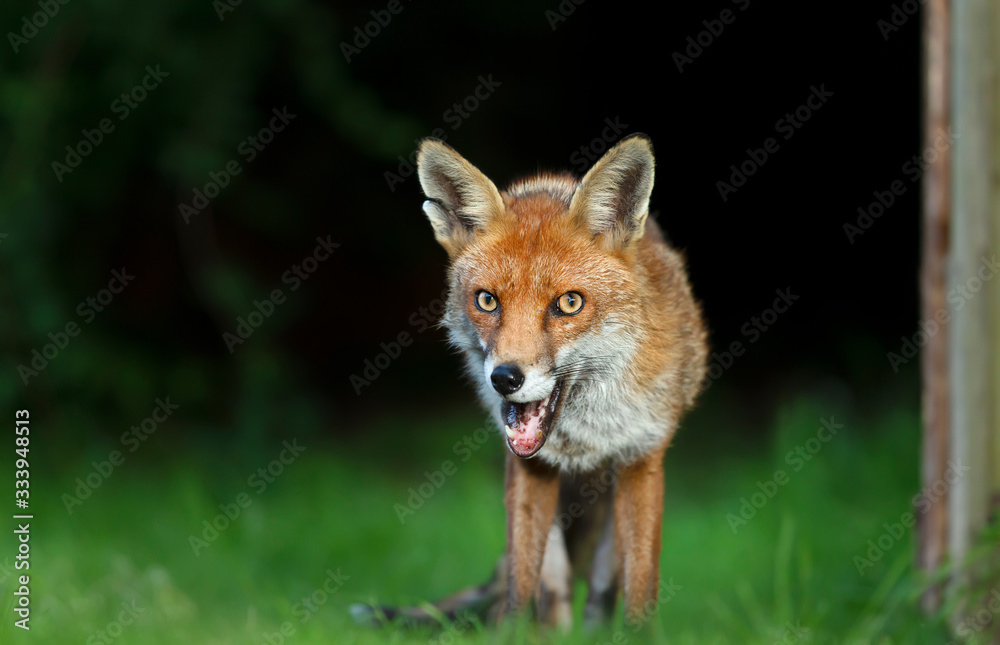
(543,279)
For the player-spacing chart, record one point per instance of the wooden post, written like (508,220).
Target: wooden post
(933,529)
(975,197)
(961,214)
(993,291)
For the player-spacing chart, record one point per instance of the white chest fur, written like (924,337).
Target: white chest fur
(600,422)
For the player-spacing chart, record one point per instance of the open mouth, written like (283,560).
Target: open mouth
(528,424)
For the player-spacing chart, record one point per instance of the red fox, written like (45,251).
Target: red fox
(579,328)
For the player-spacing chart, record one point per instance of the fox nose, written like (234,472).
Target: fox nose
(507,379)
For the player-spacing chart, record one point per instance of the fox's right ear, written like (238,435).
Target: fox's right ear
(460,198)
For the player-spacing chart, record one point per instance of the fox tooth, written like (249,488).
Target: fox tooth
(538,435)
(545,402)
(510,433)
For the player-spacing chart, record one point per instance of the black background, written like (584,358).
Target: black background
(563,71)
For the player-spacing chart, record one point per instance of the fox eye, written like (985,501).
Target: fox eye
(486,301)
(570,303)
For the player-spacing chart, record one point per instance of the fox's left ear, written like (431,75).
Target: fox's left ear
(613,198)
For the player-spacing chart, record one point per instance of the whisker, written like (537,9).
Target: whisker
(585,370)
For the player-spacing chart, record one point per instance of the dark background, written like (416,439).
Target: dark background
(326,175)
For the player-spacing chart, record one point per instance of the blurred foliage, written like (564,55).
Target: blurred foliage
(119,206)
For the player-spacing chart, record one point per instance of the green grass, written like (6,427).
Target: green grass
(333,509)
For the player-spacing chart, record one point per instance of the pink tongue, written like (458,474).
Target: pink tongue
(529,425)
